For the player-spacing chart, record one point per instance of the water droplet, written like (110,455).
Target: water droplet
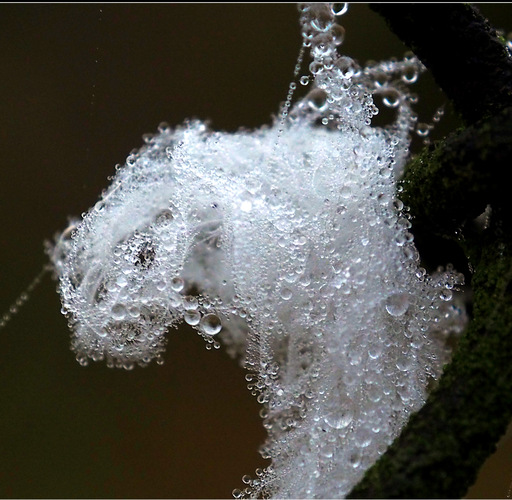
(438,114)
(211,324)
(134,311)
(346,192)
(423,129)
(121,281)
(410,75)
(192,317)
(339,418)
(338,9)
(177,284)
(317,100)
(346,66)
(355,459)
(391,98)
(322,45)
(316,67)
(397,304)
(323,19)
(164,127)
(190,303)
(118,311)
(338,34)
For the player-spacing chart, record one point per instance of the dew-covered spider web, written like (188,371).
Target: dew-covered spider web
(290,246)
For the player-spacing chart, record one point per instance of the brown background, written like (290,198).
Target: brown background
(80,84)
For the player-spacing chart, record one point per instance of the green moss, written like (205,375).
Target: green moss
(443,446)
(461,50)
(449,185)
(440,451)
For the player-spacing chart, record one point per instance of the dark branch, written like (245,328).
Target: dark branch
(461,50)
(449,185)
(443,446)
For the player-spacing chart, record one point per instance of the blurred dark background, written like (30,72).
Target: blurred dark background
(80,85)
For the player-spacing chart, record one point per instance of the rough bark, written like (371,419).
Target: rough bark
(440,451)
(444,445)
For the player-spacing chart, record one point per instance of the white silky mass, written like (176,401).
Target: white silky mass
(290,245)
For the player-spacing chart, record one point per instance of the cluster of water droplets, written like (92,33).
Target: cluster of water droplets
(290,245)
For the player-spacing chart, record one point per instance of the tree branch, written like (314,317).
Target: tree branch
(449,185)
(462,51)
(443,446)
(440,451)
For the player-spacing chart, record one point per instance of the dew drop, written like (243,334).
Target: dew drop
(338,418)
(118,311)
(317,100)
(410,75)
(190,303)
(355,459)
(121,281)
(177,284)
(316,67)
(211,324)
(304,80)
(192,317)
(338,34)
(423,129)
(323,20)
(346,66)
(397,304)
(391,98)
(338,9)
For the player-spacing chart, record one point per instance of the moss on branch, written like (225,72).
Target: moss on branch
(443,446)
(449,184)
(440,451)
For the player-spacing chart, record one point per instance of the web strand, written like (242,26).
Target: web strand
(23,297)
